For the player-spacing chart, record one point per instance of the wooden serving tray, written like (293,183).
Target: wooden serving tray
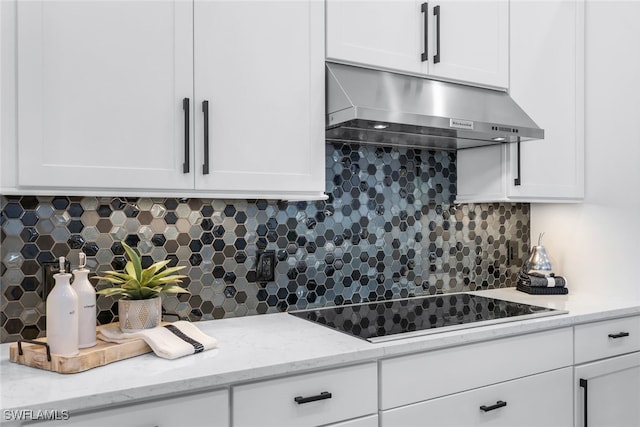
(101,354)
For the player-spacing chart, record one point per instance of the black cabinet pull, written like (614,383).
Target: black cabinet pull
(185,107)
(436,13)
(619,335)
(516,181)
(499,404)
(583,384)
(205,111)
(322,396)
(425,10)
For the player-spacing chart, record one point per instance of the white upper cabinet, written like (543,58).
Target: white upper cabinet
(384,34)
(112,97)
(471,41)
(461,41)
(260,66)
(100,88)
(547,81)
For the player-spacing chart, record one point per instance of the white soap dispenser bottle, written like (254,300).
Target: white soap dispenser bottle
(62,315)
(86,304)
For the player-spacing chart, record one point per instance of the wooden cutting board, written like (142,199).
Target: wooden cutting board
(101,354)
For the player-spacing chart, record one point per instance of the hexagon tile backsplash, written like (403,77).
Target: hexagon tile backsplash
(390,229)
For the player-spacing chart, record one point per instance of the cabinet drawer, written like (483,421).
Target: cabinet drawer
(210,409)
(538,400)
(605,339)
(410,379)
(299,401)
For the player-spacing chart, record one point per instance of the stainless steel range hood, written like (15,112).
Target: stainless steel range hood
(378,107)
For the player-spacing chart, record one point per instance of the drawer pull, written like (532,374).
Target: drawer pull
(499,404)
(619,335)
(322,396)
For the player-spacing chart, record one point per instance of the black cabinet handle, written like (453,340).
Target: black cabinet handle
(185,107)
(322,396)
(499,404)
(205,111)
(425,10)
(516,181)
(619,335)
(436,13)
(583,384)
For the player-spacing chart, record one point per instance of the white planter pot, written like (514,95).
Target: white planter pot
(135,315)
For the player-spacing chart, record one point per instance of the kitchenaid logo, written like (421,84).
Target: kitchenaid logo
(36,415)
(461,124)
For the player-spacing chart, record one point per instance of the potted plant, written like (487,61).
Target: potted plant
(140,305)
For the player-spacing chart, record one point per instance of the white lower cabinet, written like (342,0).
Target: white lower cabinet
(537,400)
(607,392)
(314,399)
(598,340)
(209,409)
(607,374)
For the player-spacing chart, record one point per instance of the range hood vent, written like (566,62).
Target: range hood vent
(379,107)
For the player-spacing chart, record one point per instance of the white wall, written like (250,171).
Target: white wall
(597,244)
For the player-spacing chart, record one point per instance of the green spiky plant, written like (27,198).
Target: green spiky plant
(136,283)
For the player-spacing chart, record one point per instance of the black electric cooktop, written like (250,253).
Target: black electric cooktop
(403,318)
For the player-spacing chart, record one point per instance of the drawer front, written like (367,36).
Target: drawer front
(309,399)
(410,379)
(539,400)
(605,339)
(210,409)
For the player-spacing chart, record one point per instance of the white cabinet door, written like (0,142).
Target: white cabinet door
(607,392)
(404,35)
(547,81)
(209,409)
(260,66)
(471,41)
(382,34)
(538,400)
(100,90)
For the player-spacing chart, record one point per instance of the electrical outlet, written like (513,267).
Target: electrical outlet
(265,266)
(49,268)
(512,252)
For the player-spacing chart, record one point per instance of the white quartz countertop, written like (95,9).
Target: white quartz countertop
(264,346)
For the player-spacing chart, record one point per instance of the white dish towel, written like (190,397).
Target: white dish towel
(170,341)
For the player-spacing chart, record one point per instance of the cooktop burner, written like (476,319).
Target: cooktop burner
(403,318)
